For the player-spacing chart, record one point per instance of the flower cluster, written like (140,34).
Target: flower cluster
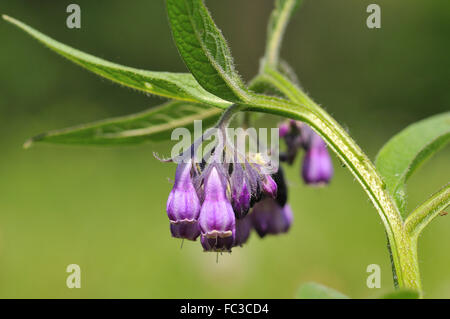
(221,200)
(317,168)
(212,199)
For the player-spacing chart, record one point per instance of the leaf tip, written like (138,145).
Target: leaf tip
(7,18)
(27,144)
(11,20)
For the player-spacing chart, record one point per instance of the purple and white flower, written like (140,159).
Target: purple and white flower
(183,205)
(217,220)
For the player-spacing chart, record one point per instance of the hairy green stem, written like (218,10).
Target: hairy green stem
(276,31)
(227,116)
(403,248)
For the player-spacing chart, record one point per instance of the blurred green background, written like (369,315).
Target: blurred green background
(104,208)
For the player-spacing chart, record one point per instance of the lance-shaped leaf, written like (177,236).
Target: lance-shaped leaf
(155,124)
(278,22)
(410,148)
(204,50)
(180,86)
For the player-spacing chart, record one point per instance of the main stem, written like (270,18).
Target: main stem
(403,249)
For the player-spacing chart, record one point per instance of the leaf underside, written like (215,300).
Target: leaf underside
(179,86)
(154,125)
(404,153)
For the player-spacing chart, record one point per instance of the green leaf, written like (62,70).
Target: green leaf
(314,290)
(278,22)
(427,211)
(204,49)
(180,86)
(155,124)
(401,294)
(406,151)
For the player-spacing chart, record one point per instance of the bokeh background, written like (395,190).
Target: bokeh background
(104,208)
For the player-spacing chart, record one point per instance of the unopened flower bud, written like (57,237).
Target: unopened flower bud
(240,192)
(269,186)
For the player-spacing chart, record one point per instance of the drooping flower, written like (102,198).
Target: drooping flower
(268,217)
(249,181)
(217,220)
(240,191)
(317,167)
(183,205)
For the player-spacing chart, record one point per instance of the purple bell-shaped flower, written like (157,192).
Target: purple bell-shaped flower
(183,205)
(217,220)
(268,217)
(317,167)
(240,191)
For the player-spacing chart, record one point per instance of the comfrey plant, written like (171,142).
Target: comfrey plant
(212,199)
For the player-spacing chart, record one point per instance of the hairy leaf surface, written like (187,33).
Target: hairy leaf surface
(204,49)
